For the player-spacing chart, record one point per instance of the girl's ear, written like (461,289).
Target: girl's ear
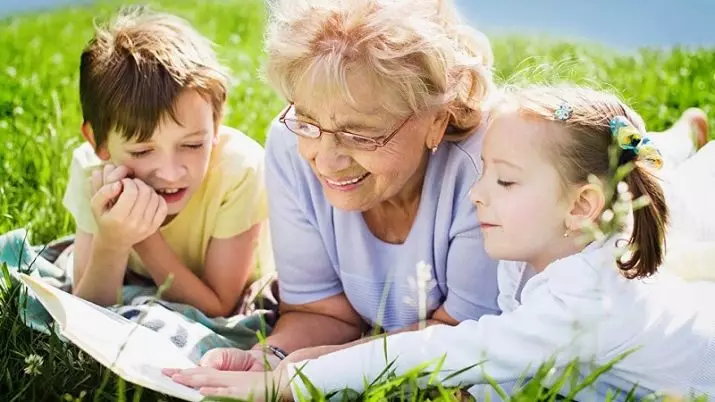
(587,206)
(88,135)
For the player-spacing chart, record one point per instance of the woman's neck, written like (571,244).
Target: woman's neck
(392,219)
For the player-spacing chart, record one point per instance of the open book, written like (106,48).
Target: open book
(133,352)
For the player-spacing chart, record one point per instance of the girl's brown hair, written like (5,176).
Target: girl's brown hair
(585,150)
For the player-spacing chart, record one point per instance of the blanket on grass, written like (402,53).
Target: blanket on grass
(188,328)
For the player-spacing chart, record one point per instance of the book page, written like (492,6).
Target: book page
(150,376)
(103,334)
(84,323)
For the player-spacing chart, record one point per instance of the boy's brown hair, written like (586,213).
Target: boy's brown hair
(134,68)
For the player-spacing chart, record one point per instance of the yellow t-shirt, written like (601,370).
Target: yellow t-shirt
(230,201)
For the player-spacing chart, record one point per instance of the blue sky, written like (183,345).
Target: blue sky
(619,23)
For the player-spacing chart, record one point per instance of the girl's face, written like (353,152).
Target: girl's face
(521,201)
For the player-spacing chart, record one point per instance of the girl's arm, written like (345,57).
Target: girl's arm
(506,347)
(565,323)
(229,263)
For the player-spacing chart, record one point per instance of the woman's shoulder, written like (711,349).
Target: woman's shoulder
(282,157)
(280,142)
(469,150)
(459,164)
(285,169)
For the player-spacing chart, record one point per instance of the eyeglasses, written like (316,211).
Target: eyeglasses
(346,139)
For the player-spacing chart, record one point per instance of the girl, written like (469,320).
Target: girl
(561,298)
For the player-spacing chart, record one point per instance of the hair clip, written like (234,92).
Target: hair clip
(631,140)
(648,153)
(627,136)
(564,112)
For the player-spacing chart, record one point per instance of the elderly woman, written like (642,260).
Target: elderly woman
(369,168)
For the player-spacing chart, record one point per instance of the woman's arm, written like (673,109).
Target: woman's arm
(326,322)
(438,318)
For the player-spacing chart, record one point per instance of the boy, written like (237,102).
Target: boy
(160,187)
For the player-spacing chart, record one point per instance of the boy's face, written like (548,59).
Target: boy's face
(175,160)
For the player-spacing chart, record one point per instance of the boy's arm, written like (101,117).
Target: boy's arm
(101,259)
(228,265)
(98,269)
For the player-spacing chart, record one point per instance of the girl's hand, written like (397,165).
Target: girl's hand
(232,359)
(256,386)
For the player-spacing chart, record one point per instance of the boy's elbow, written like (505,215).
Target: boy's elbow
(217,313)
(221,309)
(93,298)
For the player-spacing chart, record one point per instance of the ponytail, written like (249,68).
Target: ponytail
(647,242)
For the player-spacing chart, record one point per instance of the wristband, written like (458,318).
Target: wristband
(277,352)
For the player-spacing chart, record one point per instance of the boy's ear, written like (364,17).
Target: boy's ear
(588,203)
(88,135)
(217,128)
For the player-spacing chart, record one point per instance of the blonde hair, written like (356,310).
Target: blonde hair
(419,49)
(134,68)
(585,150)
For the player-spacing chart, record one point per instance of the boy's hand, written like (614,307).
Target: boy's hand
(137,213)
(108,174)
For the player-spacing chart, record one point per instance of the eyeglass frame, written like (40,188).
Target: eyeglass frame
(378,142)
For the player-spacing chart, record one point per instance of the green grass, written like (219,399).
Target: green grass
(40,119)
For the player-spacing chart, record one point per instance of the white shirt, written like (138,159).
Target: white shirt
(579,307)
